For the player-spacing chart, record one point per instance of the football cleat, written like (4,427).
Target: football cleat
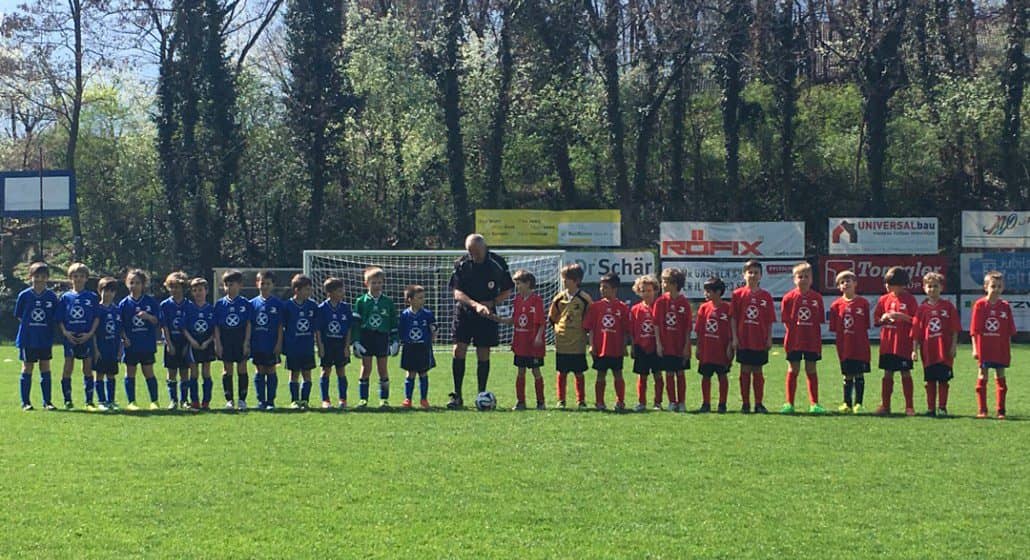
(601,407)
(327,404)
(27,407)
(521,405)
(102,407)
(722,408)
(383,404)
(816,408)
(787,408)
(942,412)
(883,410)
(858,408)
(68,405)
(90,407)
(455,402)
(930,413)
(981,414)
(155,406)
(173,405)
(304,405)
(657,406)
(582,405)
(620,406)
(241,405)
(561,405)
(641,407)
(910,412)
(541,406)
(424,404)
(362,404)
(113,406)
(760,409)
(406,403)
(342,404)
(1001,414)
(844,408)
(705,408)
(269,407)
(229,405)
(131,407)
(745,409)
(295,405)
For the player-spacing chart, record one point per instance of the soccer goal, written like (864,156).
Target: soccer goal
(431,269)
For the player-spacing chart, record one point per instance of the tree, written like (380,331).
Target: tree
(1013,77)
(734,21)
(778,48)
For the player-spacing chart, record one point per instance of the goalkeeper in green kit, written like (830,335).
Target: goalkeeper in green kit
(375,335)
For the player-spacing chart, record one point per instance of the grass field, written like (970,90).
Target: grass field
(527,484)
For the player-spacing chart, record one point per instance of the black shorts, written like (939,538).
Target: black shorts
(232,346)
(752,357)
(673,363)
(204,355)
(570,363)
(645,363)
(894,362)
(335,350)
(376,343)
(33,355)
(528,361)
(940,373)
(993,365)
(470,328)
(138,358)
(263,358)
(417,357)
(708,370)
(304,362)
(105,367)
(853,367)
(78,351)
(182,357)
(608,363)
(801,355)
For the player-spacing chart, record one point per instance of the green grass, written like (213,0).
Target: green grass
(531,484)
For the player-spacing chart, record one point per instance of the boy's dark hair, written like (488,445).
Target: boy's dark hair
(107,283)
(232,277)
(676,276)
(896,276)
(39,267)
(523,275)
(572,271)
(715,284)
(137,273)
(412,291)
(266,275)
(198,281)
(300,281)
(753,263)
(611,279)
(332,284)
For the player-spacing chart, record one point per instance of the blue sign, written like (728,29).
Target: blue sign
(1015,267)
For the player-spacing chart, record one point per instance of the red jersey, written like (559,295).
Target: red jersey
(802,314)
(992,328)
(933,328)
(714,333)
(849,321)
(672,317)
(608,323)
(895,338)
(528,316)
(753,315)
(643,327)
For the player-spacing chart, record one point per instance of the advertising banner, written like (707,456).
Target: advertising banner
(883,236)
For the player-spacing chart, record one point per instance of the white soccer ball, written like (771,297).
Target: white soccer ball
(486,401)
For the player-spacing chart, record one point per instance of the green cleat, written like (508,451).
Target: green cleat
(858,409)
(787,409)
(844,408)
(816,409)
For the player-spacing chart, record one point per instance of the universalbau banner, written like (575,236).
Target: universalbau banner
(548,228)
(885,236)
(996,229)
(736,240)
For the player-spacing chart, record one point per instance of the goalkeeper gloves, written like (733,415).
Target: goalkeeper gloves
(358,349)
(394,348)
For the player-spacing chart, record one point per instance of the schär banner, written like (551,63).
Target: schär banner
(996,229)
(732,240)
(884,236)
(627,264)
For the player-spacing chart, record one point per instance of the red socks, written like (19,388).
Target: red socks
(813,388)
(706,390)
(581,387)
(908,389)
(561,385)
(1002,388)
(620,390)
(931,396)
(724,388)
(792,385)
(599,387)
(745,388)
(642,390)
(758,379)
(538,384)
(981,395)
(887,390)
(670,387)
(659,387)
(520,388)
(942,395)
(681,388)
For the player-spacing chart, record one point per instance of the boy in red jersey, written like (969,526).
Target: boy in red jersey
(672,316)
(992,327)
(849,321)
(607,321)
(527,342)
(801,312)
(893,314)
(714,343)
(753,316)
(935,331)
(645,347)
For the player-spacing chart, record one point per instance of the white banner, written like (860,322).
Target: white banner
(777,277)
(627,264)
(996,229)
(1020,310)
(736,240)
(883,236)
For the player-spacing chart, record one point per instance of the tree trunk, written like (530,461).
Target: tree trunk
(452,120)
(75,7)
(1013,82)
(677,114)
(876,115)
(499,119)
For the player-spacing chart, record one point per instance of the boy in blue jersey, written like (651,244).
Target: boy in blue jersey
(417,326)
(232,337)
(266,339)
(35,309)
(299,340)
(333,339)
(141,315)
(200,331)
(177,349)
(76,317)
(107,344)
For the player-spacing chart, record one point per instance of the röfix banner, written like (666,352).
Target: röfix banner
(732,240)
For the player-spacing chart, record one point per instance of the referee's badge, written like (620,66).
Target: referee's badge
(490,284)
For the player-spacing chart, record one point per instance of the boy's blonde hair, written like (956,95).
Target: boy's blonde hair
(844,275)
(78,268)
(373,271)
(177,278)
(993,275)
(640,282)
(801,267)
(933,277)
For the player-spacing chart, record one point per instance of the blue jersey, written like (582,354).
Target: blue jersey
(232,314)
(334,322)
(109,333)
(265,329)
(142,334)
(173,318)
(299,327)
(37,314)
(78,310)
(416,327)
(200,321)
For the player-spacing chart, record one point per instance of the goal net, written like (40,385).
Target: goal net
(432,270)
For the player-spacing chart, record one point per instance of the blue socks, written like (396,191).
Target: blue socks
(45,386)
(194,397)
(25,386)
(294,391)
(384,389)
(423,386)
(341,385)
(130,389)
(101,391)
(184,390)
(323,385)
(173,394)
(305,391)
(259,386)
(409,387)
(209,387)
(87,383)
(66,389)
(109,386)
(271,387)
(152,388)
(363,389)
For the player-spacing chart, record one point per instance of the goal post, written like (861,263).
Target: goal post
(432,270)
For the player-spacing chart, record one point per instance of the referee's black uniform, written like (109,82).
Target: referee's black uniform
(482,282)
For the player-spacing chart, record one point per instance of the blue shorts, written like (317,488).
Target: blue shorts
(417,357)
(33,355)
(304,362)
(264,358)
(232,346)
(182,359)
(138,358)
(335,353)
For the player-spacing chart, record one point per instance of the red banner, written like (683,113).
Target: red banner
(871,269)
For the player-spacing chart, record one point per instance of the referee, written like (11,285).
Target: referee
(480,281)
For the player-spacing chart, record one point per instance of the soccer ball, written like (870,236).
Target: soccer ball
(486,401)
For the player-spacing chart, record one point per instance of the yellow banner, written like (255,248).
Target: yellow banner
(550,228)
